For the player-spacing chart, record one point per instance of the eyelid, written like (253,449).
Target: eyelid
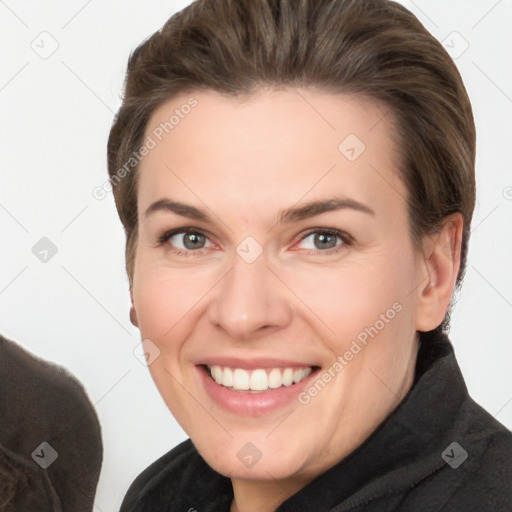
(162,239)
(331,231)
(346,239)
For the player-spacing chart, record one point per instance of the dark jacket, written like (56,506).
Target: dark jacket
(409,464)
(50,439)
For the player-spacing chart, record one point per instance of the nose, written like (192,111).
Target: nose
(250,301)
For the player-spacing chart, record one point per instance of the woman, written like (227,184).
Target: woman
(296,183)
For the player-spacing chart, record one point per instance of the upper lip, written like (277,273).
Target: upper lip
(253,363)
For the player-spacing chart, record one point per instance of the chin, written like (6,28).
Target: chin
(243,460)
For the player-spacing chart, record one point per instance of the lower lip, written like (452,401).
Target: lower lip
(252,404)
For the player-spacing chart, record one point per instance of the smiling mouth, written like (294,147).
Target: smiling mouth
(259,380)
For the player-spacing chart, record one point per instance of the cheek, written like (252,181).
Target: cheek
(167,309)
(163,303)
(346,300)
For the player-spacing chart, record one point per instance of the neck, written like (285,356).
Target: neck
(261,495)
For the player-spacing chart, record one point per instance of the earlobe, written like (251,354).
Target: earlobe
(442,263)
(133,317)
(133,313)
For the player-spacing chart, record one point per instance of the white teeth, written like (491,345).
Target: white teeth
(240,379)
(275,378)
(227,377)
(217,374)
(257,380)
(288,377)
(299,374)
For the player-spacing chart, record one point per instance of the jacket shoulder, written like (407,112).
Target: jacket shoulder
(147,481)
(483,481)
(179,480)
(487,480)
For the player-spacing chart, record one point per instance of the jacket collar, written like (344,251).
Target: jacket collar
(407,446)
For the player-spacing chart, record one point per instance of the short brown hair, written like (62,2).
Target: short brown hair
(374,48)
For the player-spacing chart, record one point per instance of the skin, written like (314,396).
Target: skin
(245,160)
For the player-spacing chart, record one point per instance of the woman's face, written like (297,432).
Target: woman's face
(274,252)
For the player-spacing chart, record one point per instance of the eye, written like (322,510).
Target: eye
(185,239)
(190,240)
(325,240)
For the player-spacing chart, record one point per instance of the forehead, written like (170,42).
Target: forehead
(278,144)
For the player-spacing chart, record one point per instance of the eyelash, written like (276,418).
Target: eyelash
(345,238)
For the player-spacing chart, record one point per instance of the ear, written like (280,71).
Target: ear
(439,270)
(133,313)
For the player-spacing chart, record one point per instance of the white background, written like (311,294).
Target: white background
(56,114)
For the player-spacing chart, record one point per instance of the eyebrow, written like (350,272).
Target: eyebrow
(289,215)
